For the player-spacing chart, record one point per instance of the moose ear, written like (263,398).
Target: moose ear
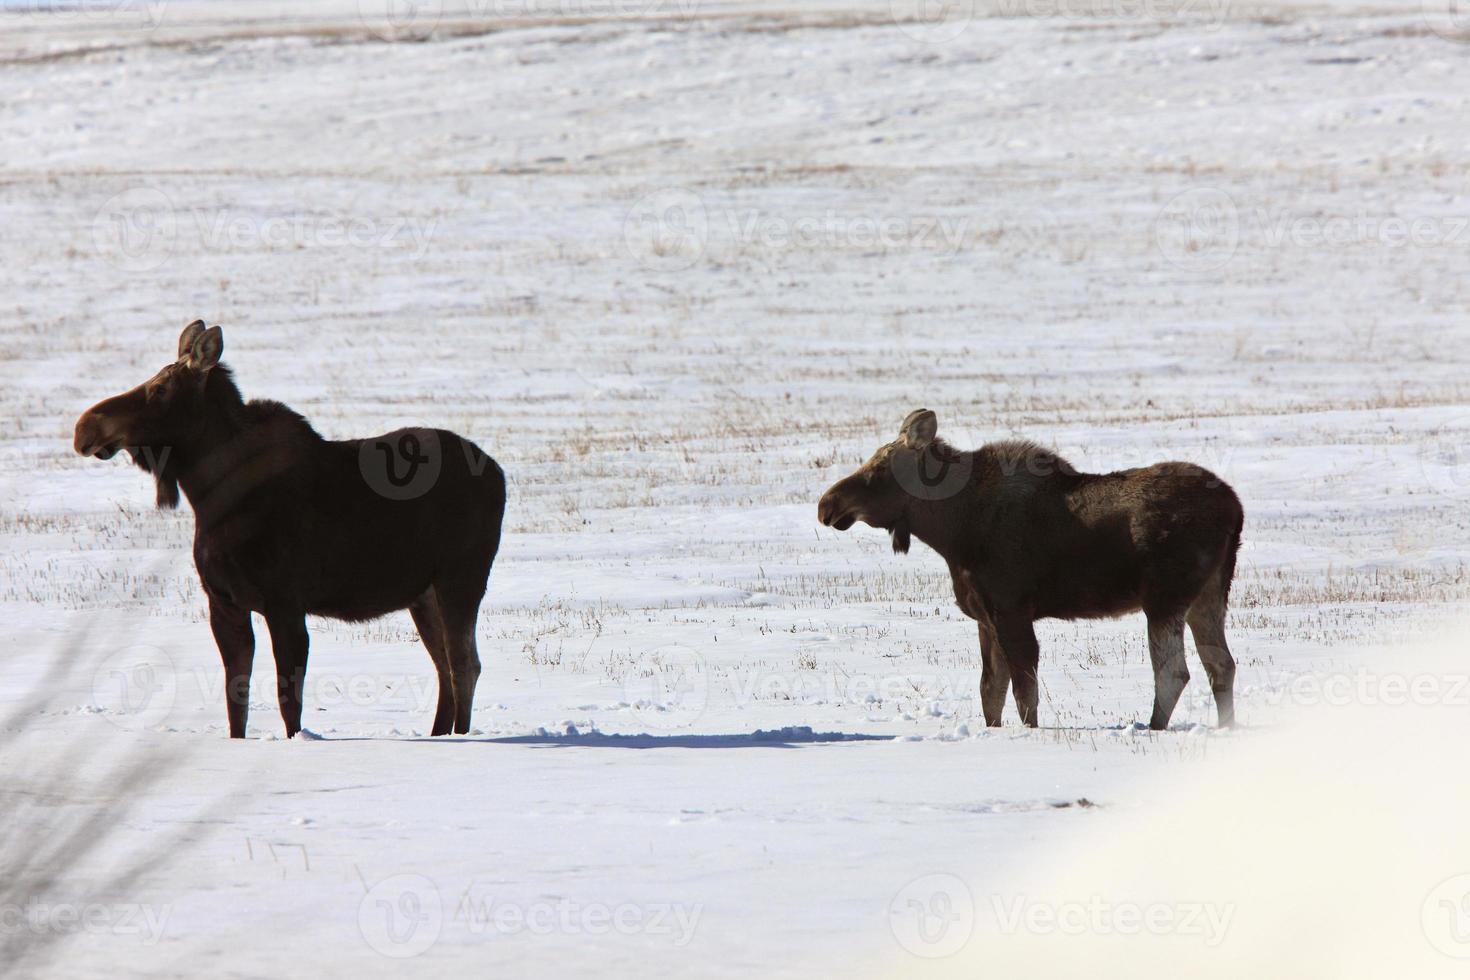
(186,339)
(918,430)
(208,347)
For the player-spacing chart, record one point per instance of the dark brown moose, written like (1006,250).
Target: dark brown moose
(1027,537)
(288,524)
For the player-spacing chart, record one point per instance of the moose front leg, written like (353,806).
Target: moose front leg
(289,643)
(1018,643)
(235,638)
(995,675)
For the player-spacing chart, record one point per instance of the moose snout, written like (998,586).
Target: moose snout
(833,512)
(94,436)
(825,509)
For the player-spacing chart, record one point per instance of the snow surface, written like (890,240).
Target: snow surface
(679,266)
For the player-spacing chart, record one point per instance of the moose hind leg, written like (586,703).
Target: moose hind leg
(1171,673)
(459,616)
(289,643)
(995,676)
(1206,619)
(425,613)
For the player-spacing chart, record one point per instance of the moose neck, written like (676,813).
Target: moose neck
(203,461)
(938,521)
(934,522)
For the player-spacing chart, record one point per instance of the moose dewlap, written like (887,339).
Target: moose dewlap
(1027,537)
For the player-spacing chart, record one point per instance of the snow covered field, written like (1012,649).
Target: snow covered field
(679,265)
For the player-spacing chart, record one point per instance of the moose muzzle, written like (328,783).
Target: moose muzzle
(98,433)
(834,512)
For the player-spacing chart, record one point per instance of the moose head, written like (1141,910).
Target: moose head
(912,469)
(161,414)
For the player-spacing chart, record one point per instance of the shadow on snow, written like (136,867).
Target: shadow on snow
(778,738)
